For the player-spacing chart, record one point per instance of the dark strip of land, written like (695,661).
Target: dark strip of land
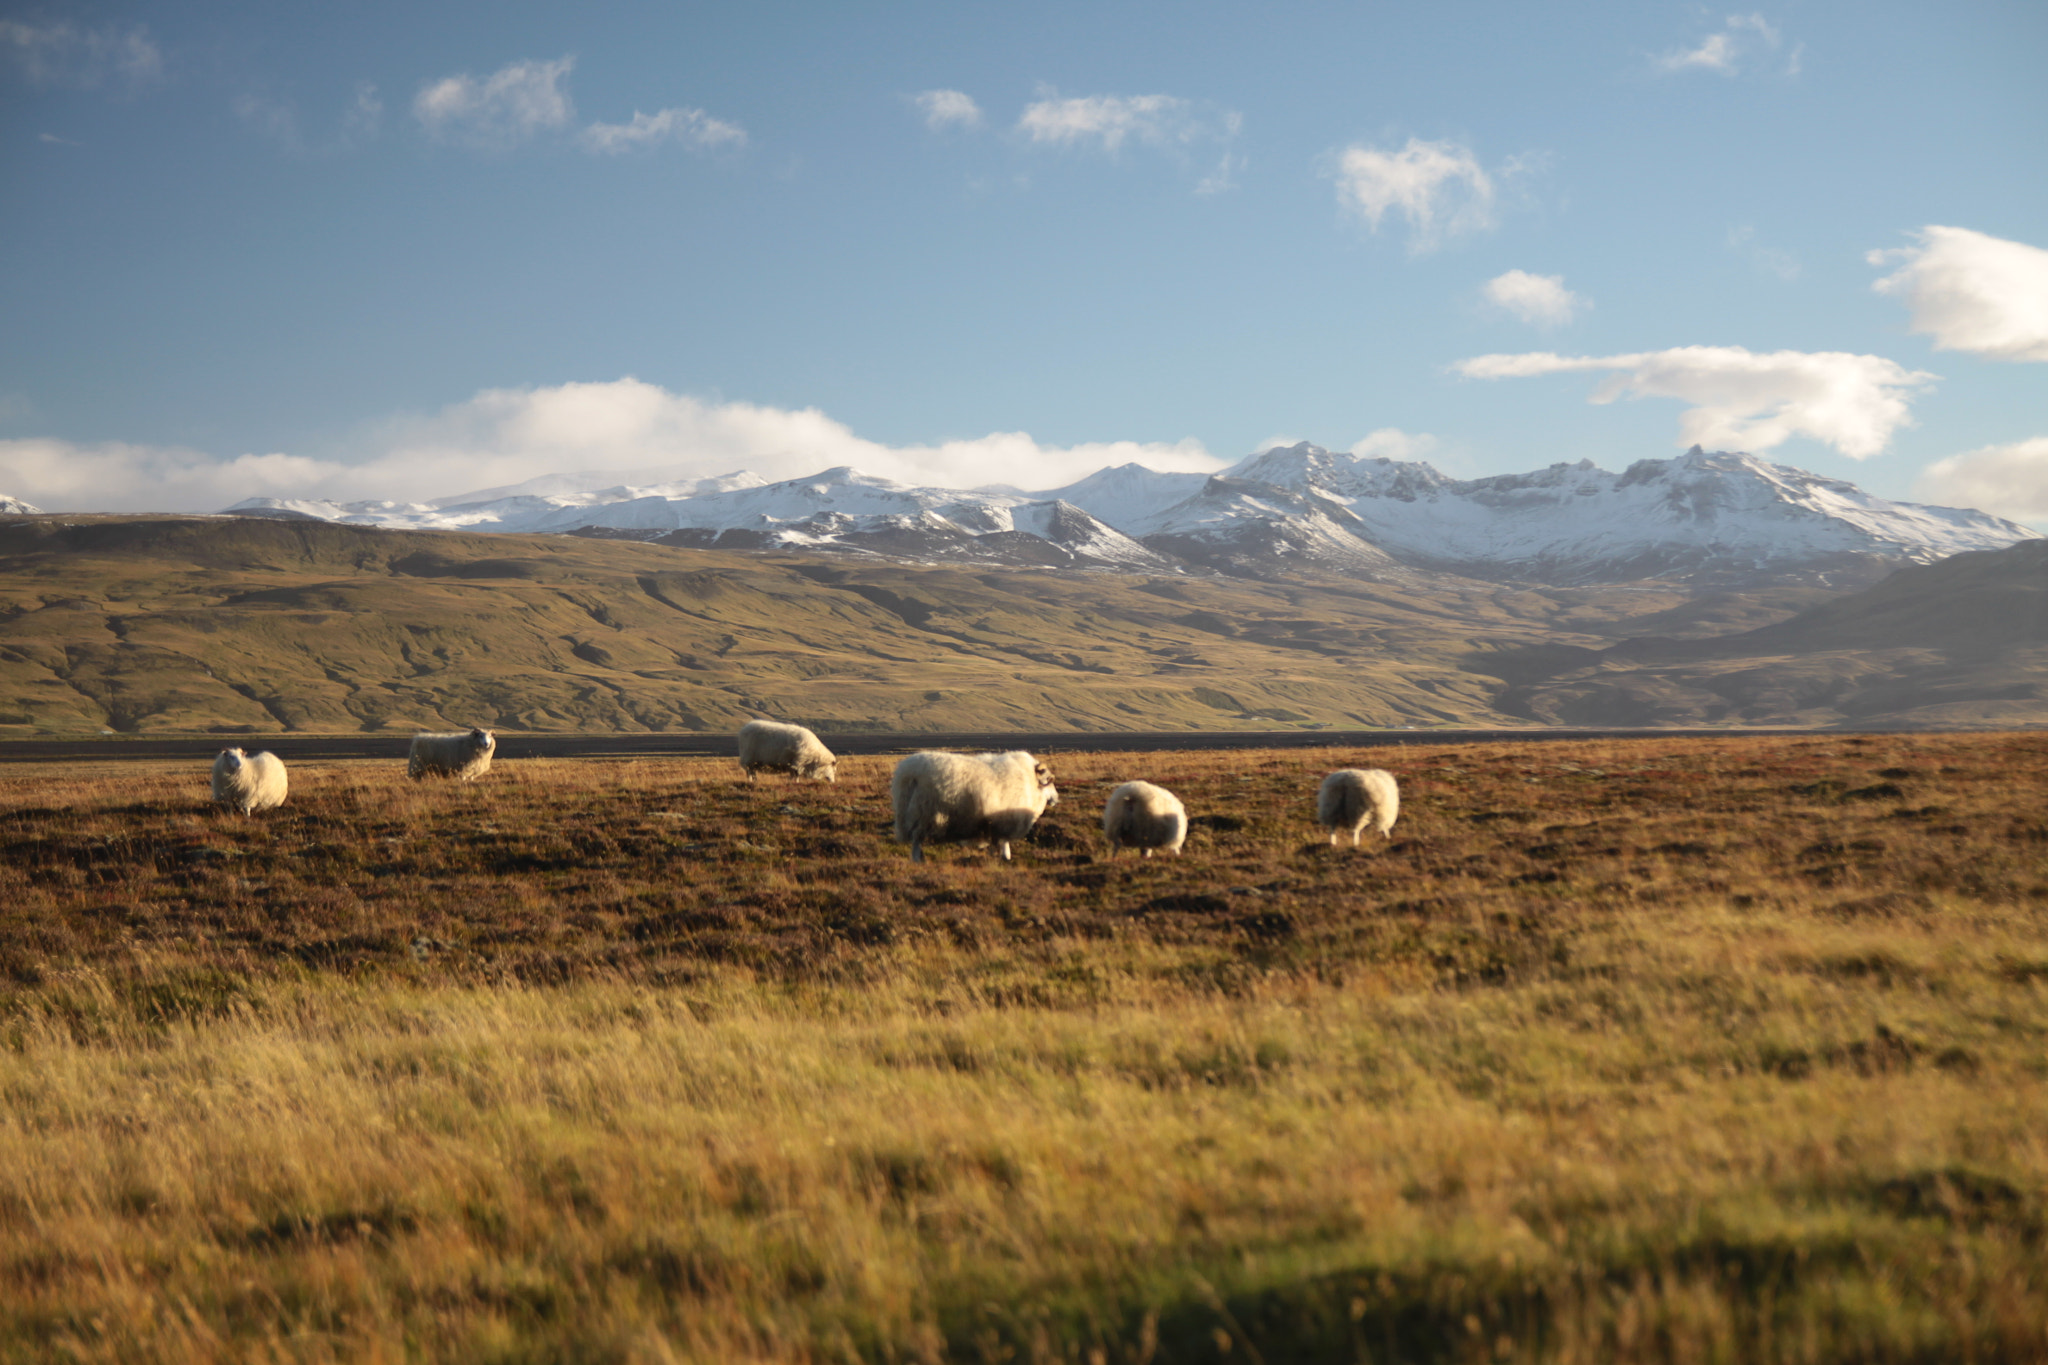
(313,748)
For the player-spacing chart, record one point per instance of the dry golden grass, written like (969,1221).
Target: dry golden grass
(1646,1050)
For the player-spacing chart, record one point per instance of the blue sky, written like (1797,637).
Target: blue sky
(409,249)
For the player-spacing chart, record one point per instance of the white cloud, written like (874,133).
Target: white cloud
(1439,187)
(504,436)
(117,477)
(1971,292)
(1744,400)
(1108,119)
(1539,300)
(83,58)
(1743,43)
(1163,122)
(505,108)
(945,109)
(2006,480)
(1392,443)
(691,127)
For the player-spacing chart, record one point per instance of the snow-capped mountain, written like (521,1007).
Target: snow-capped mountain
(551,502)
(844,509)
(1709,517)
(1716,515)
(15,507)
(1575,522)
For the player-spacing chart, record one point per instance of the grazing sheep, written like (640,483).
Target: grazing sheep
(1140,815)
(1351,797)
(464,755)
(777,748)
(944,798)
(249,782)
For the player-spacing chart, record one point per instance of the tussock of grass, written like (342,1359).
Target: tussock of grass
(1632,1051)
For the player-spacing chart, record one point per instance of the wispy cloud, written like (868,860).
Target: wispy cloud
(62,54)
(1392,443)
(692,127)
(1539,300)
(526,100)
(501,110)
(274,120)
(1973,292)
(943,109)
(1746,400)
(1742,239)
(1744,43)
(364,116)
(1179,127)
(277,121)
(2004,480)
(1439,187)
(503,436)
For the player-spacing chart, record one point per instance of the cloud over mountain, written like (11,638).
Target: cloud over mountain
(501,436)
(1973,292)
(2008,480)
(1743,399)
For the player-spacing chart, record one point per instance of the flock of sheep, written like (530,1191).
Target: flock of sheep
(938,798)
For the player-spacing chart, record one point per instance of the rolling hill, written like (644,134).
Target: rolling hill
(168,625)
(1962,643)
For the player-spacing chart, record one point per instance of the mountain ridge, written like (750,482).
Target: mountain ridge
(1725,518)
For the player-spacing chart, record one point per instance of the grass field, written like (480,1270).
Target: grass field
(1688,1050)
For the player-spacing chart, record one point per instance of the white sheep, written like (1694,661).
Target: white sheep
(767,745)
(464,755)
(942,798)
(1350,798)
(1140,815)
(248,782)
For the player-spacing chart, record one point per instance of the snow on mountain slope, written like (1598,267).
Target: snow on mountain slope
(15,507)
(1711,517)
(1722,513)
(1127,495)
(670,482)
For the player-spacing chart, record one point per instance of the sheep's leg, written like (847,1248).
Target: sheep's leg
(1333,838)
(1006,850)
(1148,853)
(916,851)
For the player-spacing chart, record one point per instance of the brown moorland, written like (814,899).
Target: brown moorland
(223,625)
(1663,1049)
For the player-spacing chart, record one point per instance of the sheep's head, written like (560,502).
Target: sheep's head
(1046,789)
(235,757)
(484,739)
(830,772)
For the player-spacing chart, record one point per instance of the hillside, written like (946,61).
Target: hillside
(1960,643)
(230,625)
(167,625)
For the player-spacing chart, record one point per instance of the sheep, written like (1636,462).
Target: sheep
(1140,815)
(464,755)
(944,798)
(249,782)
(778,748)
(1350,798)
